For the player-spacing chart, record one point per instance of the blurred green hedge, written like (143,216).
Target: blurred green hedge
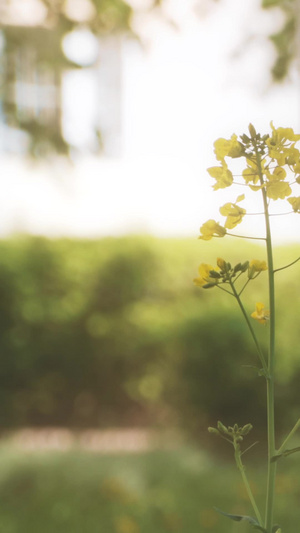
(113,332)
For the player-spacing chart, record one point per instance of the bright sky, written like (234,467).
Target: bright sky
(186,88)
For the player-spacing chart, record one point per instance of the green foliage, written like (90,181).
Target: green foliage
(284,40)
(161,491)
(113,332)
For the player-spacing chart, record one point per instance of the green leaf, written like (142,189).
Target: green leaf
(240,518)
(270,3)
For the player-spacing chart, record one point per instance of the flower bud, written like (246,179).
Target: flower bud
(244,266)
(221,263)
(252,131)
(214,274)
(245,138)
(246,429)
(208,285)
(213,430)
(222,428)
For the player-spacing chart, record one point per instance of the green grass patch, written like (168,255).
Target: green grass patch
(155,492)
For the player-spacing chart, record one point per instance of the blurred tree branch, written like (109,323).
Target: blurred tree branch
(286,39)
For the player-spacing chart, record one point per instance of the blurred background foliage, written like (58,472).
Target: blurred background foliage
(113,332)
(33,53)
(286,39)
(164,491)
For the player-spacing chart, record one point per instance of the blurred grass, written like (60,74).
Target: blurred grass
(158,491)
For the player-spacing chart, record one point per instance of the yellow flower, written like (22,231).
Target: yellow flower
(293,158)
(279,173)
(278,189)
(283,134)
(233,212)
(294,161)
(261,314)
(275,185)
(281,144)
(222,175)
(295,203)
(204,277)
(210,229)
(256,266)
(231,148)
(251,173)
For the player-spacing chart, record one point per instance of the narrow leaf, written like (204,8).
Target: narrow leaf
(292,450)
(240,518)
(285,453)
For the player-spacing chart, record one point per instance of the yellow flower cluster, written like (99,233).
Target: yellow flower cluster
(272,163)
(209,276)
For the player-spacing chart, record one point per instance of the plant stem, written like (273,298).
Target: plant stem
(287,266)
(237,455)
(246,237)
(260,353)
(271,364)
(291,433)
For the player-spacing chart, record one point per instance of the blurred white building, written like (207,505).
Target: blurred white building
(57,86)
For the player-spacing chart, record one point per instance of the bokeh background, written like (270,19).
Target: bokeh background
(113,363)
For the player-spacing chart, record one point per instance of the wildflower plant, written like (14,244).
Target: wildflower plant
(271,169)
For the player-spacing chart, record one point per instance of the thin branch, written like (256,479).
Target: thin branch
(238,276)
(244,286)
(279,214)
(225,290)
(246,237)
(287,266)
(291,433)
(249,447)
(253,214)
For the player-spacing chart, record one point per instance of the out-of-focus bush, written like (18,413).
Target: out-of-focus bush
(113,332)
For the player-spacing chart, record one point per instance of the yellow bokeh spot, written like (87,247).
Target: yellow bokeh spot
(126,524)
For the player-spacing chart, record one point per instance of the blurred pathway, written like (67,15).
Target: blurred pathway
(128,440)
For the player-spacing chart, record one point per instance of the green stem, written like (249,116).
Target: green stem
(225,290)
(246,237)
(287,266)
(271,364)
(237,455)
(260,353)
(291,433)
